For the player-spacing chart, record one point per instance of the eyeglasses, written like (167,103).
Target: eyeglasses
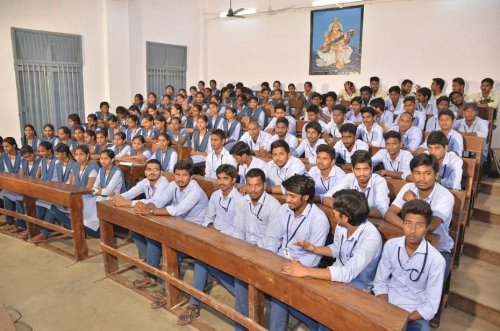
(153,170)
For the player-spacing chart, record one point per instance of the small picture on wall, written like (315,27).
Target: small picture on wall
(336,36)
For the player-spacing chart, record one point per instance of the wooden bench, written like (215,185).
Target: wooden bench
(335,305)
(61,194)
(132,171)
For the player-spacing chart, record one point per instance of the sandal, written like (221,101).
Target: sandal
(24,235)
(159,302)
(16,229)
(39,239)
(191,312)
(144,282)
(7,227)
(161,292)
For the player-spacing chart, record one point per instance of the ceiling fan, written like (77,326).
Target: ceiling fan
(234,13)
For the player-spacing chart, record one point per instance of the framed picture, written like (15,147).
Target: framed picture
(336,37)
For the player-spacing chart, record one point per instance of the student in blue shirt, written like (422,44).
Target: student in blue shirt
(148,130)
(394,103)
(425,104)
(177,134)
(354,115)
(418,117)
(30,138)
(74,121)
(395,160)
(164,153)
(411,136)
(138,152)
(369,131)
(333,128)
(310,143)
(103,114)
(348,144)
(325,173)
(473,124)
(10,162)
(133,128)
(49,134)
(120,147)
(64,135)
(411,271)
(383,116)
(456,140)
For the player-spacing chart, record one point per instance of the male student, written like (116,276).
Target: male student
(184,198)
(456,140)
(281,133)
(280,112)
(362,179)
(411,271)
(366,96)
(450,165)
(473,124)
(338,119)
(425,104)
(325,173)
(152,187)
(425,170)
(457,104)
(406,87)
(442,104)
(395,160)
(219,155)
(313,116)
(383,117)
(219,216)
(458,85)
(395,102)
(369,131)
(348,144)
(298,219)
(254,214)
(308,146)
(243,156)
(437,87)
(281,167)
(486,98)
(411,136)
(255,138)
(330,99)
(376,90)
(418,116)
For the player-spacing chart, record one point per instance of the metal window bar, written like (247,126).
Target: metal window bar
(166,65)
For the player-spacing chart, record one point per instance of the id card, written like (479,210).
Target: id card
(287,253)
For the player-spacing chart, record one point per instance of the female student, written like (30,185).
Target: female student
(74,121)
(78,135)
(114,127)
(122,115)
(178,135)
(133,127)
(101,142)
(232,127)
(30,137)
(92,123)
(164,153)
(103,114)
(89,138)
(138,152)
(160,124)
(10,162)
(201,141)
(195,113)
(64,135)
(139,101)
(176,111)
(49,134)
(120,146)
(149,131)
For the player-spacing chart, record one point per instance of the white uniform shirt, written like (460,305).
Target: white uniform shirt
(261,142)
(221,210)
(308,150)
(290,139)
(255,163)
(400,164)
(151,193)
(341,150)
(375,136)
(277,175)
(213,161)
(323,186)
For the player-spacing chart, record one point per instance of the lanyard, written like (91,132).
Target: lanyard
(260,209)
(412,270)
(392,164)
(288,239)
(327,188)
(442,175)
(226,209)
(368,138)
(278,172)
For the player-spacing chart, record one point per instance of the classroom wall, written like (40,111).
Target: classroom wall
(401,39)
(114,34)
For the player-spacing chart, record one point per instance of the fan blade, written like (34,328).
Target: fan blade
(238,10)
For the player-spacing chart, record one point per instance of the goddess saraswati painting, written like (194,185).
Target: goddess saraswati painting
(336,36)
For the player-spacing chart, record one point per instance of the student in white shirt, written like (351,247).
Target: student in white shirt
(411,271)
(362,179)
(354,114)
(338,119)
(298,219)
(486,98)
(442,104)
(395,102)
(425,170)
(281,133)
(456,140)
(313,116)
(377,92)
(411,136)
(255,138)
(280,112)
(366,93)
(473,124)
(325,173)
(219,155)
(308,146)
(395,160)
(348,144)
(220,214)
(384,118)
(245,161)
(369,131)
(326,114)
(437,87)
(281,167)
(152,187)
(418,117)
(425,104)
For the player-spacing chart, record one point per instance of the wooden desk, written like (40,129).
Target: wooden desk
(132,171)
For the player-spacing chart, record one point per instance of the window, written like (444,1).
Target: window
(166,65)
(49,77)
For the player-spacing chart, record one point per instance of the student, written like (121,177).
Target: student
(64,135)
(240,106)
(313,116)
(406,87)
(151,187)
(418,117)
(213,87)
(218,155)
(101,142)
(232,128)
(348,144)
(283,166)
(176,111)
(109,180)
(442,104)
(425,171)
(220,214)
(148,130)
(425,105)
(49,134)
(10,162)
(46,171)
(369,131)
(74,121)
(122,115)
(356,247)
(366,95)
(354,115)
(103,114)
(30,138)
(89,139)
(255,138)
(151,99)
(256,112)
(411,271)
(395,102)
(325,173)
(348,92)
(437,87)
(377,92)
(473,124)
(308,146)
(384,118)
(298,219)
(411,136)
(395,160)
(215,121)
(138,152)
(139,102)
(307,94)
(166,155)
(177,135)
(456,140)
(338,119)
(200,143)
(120,147)
(78,132)
(362,179)
(245,161)
(114,127)
(133,128)
(281,133)
(457,104)
(327,111)
(92,123)
(280,112)
(487,97)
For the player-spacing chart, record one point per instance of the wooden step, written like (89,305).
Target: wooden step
(481,242)
(475,290)
(454,319)
(490,186)
(487,208)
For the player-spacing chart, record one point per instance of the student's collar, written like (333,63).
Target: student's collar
(231,194)
(368,186)
(261,200)
(357,233)
(430,197)
(421,249)
(305,213)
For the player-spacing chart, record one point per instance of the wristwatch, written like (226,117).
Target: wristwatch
(152,211)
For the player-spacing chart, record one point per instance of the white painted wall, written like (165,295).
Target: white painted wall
(418,39)
(114,44)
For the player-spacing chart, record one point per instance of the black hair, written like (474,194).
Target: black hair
(426,92)
(75,118)
(203,117)
(459,80)
(92,116)
(141,138)
(153,94)
(395,88)
(25,140)
(348,127)
(152,106)
(166,136)
(91,133)
(471,105)
(175,118)
(368,110)
(361,156)
(134,118)
(227,169)
(283,120)
(366,89)
(280,143)
(442,98)
(340,107)
(27,149)
(256,172)
(313,109)
(253,98)
(79,128)
(374,79)
(406,81)
(63,148)
(356,99)
(83,148)
(219,133)
(280,106)
(120,110)
(446,112)
(11,141)
(353,205)
(201,82)
(103,103)
(392,134)
(324,148)
(417,207)
(308,83)
(314,125)
(331,94)
(48,125)
(240,148)
(110,153)
(410,98)
(138,96)
(439,82)
(122,135)
(148,117)
(301,184)
(437,138)
(425,160)
(154,161)
(280,91)
(65,129)
(488,80)
(377,103)
(315,95)
(184,165)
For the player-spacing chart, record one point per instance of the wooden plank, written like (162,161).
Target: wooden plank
(255,305)
(76,218)
(171,266)
(107,238)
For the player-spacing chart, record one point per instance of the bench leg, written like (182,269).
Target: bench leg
(107,238)
(76,217)
(171,266)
